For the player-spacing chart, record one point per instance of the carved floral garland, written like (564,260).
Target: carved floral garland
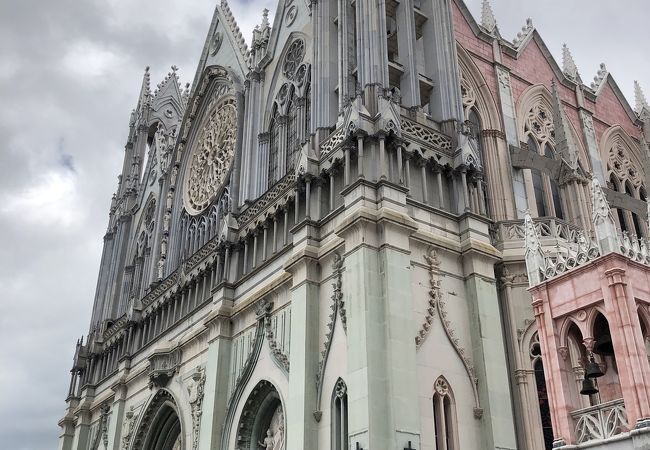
(436,302)
(264,309)
(195,391)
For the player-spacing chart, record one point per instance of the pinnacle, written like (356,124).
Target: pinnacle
(488,20)
(639,98)
(565,144)
(568,64)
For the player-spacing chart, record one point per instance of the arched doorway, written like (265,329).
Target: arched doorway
(262,422)
(160,427)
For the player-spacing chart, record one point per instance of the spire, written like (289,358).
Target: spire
(564,140)
(568,64)
(535,259)
(600,77)
(604,225)
(145,93)
(639,99)
(487,17)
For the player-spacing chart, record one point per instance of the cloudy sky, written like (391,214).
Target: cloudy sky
(70,72)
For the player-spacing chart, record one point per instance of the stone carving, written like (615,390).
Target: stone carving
(292,13)
(129,427)
(338,308)
(434,271)
(295,54)
(487,17)
(425,135)
(341,389)
(504,78)
(434,296)
(526,30)
(600,77)
(263,310)
(195,392)
(163,364)
(568,64)
(600,422)
(215,45)
(211,157)
(539,123)
(332,142)
(468,94)
(277,192)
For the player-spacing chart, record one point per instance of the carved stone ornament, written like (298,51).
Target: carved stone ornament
(211,157)
(129,427)
(163,364)
(195,392)
(217,39)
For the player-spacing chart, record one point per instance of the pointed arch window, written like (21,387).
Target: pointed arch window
(293,146)
(274,146)
(540,138)
(340,416)
(542,394)
(444,416)
(308,111)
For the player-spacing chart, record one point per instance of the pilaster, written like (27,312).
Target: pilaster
(303,360)
(487,335)
(117,415)
(216,371)
(382,384)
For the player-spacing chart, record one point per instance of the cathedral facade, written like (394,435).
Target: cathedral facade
(320,243)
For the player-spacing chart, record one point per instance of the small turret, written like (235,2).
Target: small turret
(488,21)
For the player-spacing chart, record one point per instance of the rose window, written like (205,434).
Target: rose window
(294,57)
(211,157)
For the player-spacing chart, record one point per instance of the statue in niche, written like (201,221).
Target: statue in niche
(274,439)
(269,442)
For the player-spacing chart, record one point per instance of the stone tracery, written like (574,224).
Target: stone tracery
(211,157)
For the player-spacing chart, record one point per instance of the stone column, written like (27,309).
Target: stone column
(558,392)
(627,339)
(302,396)
(117,416)
(215,400)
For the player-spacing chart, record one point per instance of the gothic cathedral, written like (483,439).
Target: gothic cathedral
(381,226)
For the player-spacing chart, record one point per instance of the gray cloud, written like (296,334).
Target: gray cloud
(69,77)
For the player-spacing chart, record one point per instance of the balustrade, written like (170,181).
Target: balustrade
(600,422)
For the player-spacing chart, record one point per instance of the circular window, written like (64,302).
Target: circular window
(294,57)
(211,157)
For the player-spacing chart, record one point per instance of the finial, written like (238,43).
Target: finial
(564,142)
(487,16)
(600,76)
(265,17)
(568,64)
(639,98)
(174,68)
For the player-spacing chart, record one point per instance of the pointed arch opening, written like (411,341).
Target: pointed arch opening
(444,416)
(340,416)
(160,427)
(262,422)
